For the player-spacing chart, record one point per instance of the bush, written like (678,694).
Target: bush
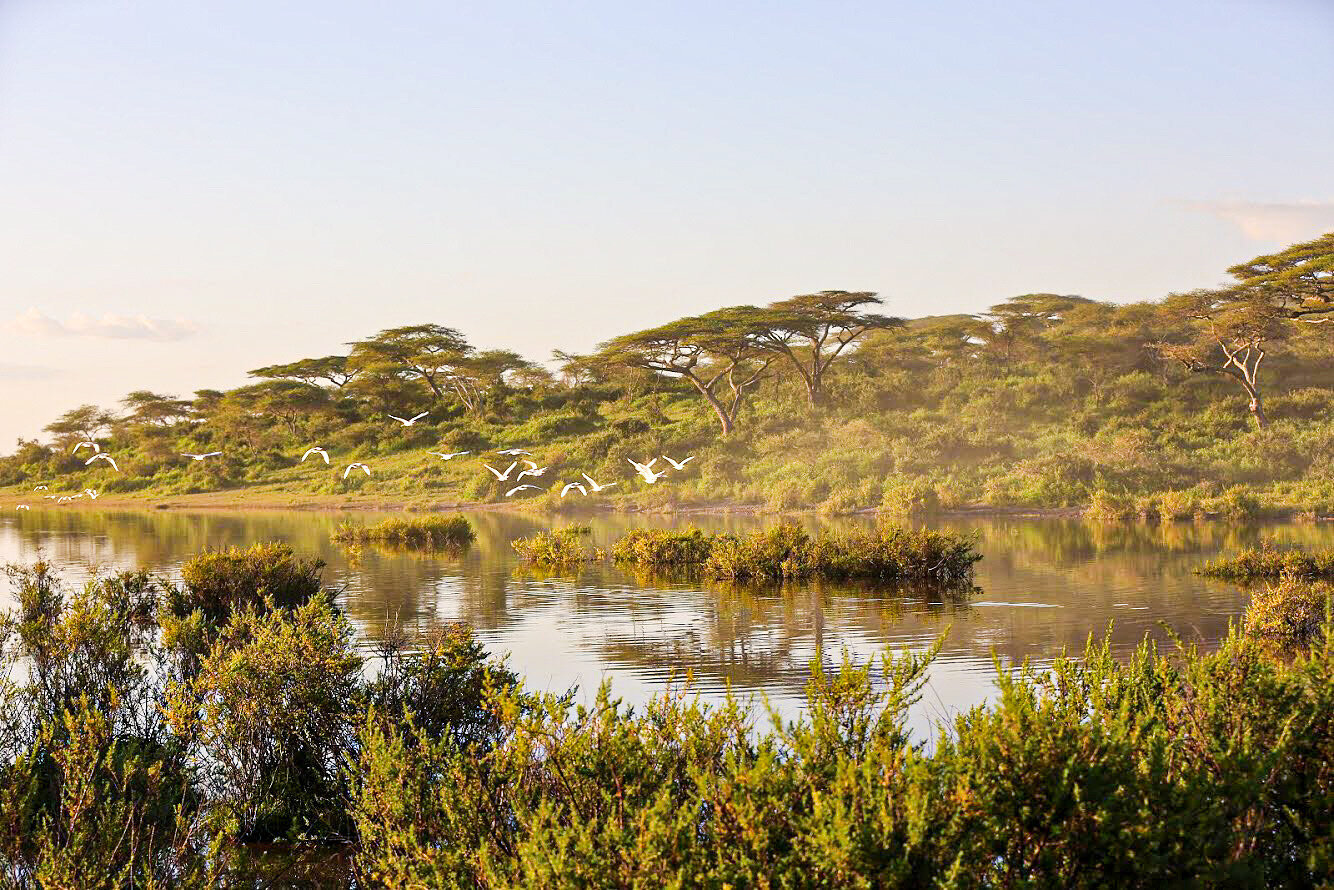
(555,547)
(420,533)
(1270,563)
(907,496)
(1104,506)
(1292,614)
(786,552)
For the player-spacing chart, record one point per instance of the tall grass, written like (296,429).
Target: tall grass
(422,533)
(787,552)
(1269,563)
(556,548)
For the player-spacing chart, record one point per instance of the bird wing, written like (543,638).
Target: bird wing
(589,478)
(347,470)
(113,464)
(497,473)
(420,416)
(532,465)
(651,463)
(396,417)
(213,454)
(510,469)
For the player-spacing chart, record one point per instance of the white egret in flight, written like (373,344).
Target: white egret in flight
(569,485)
(533,471)
(409,421)
(40,488)
(350,467)
(91,492)
(513,452)
(646,470)
(595,486)
(501,477)
(450,456)
(89,444)
(102,455)
(677,465)
(511,492)
(316,450)
(200,456)
(22,507)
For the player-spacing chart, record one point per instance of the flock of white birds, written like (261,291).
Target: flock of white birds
(645,470)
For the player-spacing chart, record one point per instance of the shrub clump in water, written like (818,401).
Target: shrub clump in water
(562,547)
(1290,614)
(419,533)
(788,552)
(1269,563)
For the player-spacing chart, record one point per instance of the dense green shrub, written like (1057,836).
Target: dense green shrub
(1270,563)
(563,547)
(787,552)
(422,532)
(438,769)
(1291,614)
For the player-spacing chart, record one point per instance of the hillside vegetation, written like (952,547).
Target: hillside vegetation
(1214,402)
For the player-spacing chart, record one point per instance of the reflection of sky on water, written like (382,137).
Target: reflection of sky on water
(1044,584)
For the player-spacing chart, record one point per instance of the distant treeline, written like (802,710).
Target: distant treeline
(1188,405)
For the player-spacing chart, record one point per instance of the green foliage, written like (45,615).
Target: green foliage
(422,532)
(1271,563)
(787,552)
(1293,614)
(438,769)
(557,548)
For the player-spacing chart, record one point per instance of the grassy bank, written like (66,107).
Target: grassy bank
(230,730)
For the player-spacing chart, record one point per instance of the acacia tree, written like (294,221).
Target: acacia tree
(86,421)
(333,369)
(1227,334)
(810,331)
(430,353)
(1298,281)
(711,350)
(480,373)
(154,409)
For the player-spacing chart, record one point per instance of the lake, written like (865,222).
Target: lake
(1044,584)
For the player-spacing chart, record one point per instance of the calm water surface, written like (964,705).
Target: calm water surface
(1043,585)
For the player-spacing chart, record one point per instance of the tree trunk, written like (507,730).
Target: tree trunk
(1258,411)
(724,419)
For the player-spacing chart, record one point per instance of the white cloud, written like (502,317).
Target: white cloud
(1276,221)
(26,372)
(35,323)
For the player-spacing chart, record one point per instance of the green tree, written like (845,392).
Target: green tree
(1226,333)
(85,421)
(1299,281)
(331,368)
(155,410)
(720,348)
(810,331)
(430,353)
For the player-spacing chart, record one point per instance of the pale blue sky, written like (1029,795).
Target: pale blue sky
(262,181)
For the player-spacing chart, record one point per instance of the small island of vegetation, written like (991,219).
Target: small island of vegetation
(1271,563)
(417,533)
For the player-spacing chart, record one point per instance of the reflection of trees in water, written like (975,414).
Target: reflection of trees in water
(752,637)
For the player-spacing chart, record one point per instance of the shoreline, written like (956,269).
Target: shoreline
(258,500)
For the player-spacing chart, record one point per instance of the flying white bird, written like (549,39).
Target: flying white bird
(68,497)
(89,444)
(501,477)
(512,452)
(22,507)
(646,470)
(350,467)
(677,465)
(534,472)
(49,497)
(593,485)
(102,455)
(200,456)
(521,488)
(569,485)
(40,488)
(409,421)
(449,456)
(91,492)
(316,450)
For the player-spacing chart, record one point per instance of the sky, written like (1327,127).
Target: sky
(191,190)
